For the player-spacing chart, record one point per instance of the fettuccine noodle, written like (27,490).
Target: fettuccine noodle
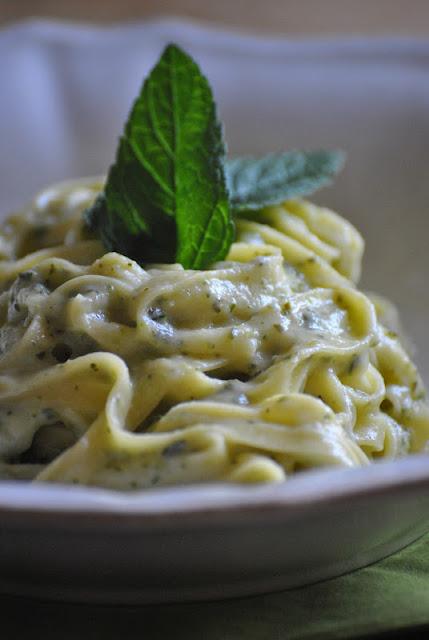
(268,363)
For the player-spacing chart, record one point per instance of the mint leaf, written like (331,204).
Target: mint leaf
(254,183)
(165,197)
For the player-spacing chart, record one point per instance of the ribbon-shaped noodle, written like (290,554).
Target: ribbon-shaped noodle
(266,364)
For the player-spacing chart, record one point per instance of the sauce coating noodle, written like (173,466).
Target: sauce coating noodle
(268,363)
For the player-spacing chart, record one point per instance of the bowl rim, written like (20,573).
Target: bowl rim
(324,489)
(214,37)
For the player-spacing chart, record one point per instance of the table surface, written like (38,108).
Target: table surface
(289,17)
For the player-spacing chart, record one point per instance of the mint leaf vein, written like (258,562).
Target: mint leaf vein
(165,197)
(254,183)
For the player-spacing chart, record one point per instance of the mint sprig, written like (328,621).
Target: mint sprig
(165,197)
(254,183)
(170,194)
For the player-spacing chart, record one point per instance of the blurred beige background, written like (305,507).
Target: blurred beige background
(406,17)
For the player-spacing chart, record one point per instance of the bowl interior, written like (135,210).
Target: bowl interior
(65,94)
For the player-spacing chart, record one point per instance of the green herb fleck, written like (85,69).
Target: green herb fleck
(386,405)
(354,363)
(61,352)
(175,448)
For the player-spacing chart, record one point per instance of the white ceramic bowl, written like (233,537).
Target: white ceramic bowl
(65,93)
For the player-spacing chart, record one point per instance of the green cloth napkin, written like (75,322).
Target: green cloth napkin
(388,596)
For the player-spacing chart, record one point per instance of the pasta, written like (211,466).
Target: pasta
(269,363)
